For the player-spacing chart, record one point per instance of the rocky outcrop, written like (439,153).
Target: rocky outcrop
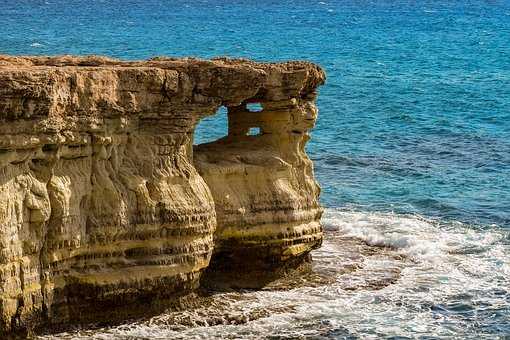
(264,192)
(106,208)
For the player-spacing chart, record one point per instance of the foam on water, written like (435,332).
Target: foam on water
(384,274)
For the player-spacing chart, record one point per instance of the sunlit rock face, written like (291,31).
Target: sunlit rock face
(264,191)
(103,213)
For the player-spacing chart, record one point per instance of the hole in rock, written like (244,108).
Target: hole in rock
(212,128)
(254,107)
(49,147)
(254,131)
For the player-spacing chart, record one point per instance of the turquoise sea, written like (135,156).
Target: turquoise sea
(412,150)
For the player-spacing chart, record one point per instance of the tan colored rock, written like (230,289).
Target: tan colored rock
(264,191)
(103,214)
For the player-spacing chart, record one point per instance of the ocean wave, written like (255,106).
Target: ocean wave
(414,235)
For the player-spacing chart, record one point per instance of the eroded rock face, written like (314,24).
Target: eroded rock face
(264,191)
(103,213)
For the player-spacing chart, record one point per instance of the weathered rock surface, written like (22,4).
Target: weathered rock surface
(105,208)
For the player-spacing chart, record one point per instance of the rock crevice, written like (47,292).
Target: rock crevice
(106,207)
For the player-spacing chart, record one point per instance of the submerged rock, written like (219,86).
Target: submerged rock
(107,211)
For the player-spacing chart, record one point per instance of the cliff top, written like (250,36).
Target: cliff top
(8,62)
(94,85)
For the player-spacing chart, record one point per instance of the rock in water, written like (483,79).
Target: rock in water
(107,211)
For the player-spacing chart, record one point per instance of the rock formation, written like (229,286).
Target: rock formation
(106,208)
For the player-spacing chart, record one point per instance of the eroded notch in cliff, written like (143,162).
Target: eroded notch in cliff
(254,107)
(211,128)
(232,123)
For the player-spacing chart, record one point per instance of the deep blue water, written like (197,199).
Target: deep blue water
(414,118)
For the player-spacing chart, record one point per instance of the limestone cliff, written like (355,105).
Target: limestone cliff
(106,209)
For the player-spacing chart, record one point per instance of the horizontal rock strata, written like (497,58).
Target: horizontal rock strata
(107,210)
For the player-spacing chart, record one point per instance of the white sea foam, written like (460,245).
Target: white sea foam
(36,45)
(412,235)
(390,275)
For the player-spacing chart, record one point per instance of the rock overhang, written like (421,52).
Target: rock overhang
(98,178)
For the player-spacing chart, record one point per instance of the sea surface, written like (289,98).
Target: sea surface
(412,150)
